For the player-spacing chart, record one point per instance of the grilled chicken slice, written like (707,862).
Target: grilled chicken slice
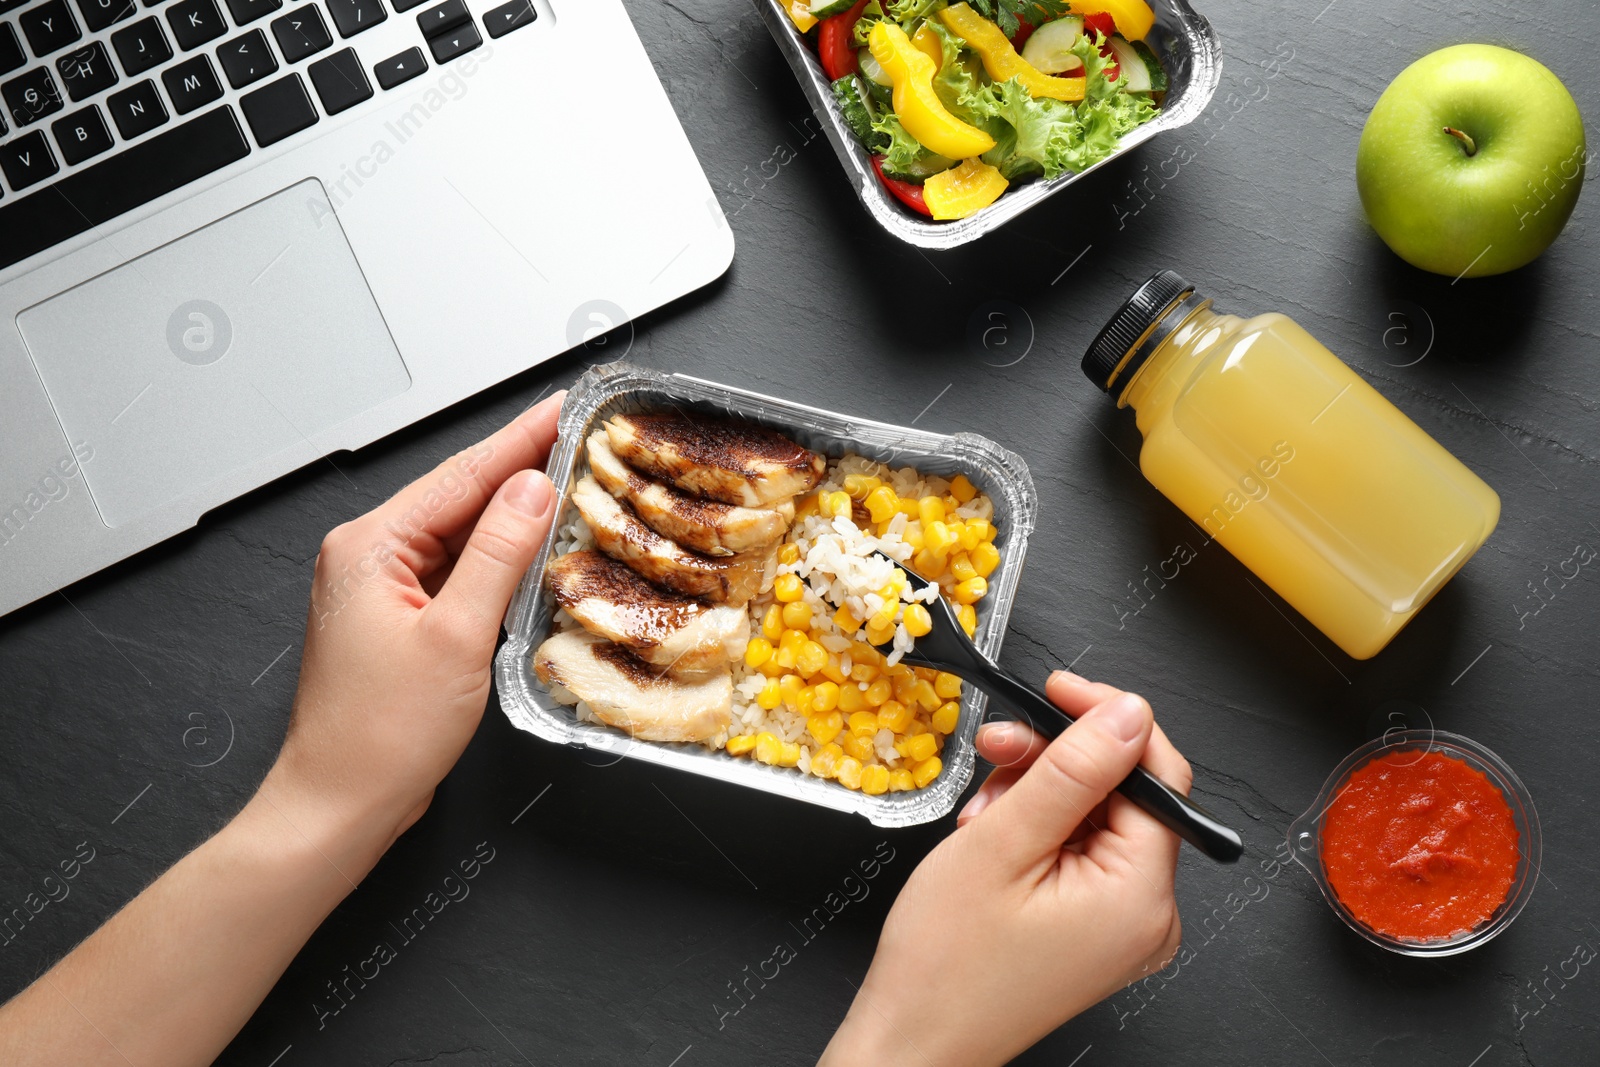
(732,462)
(621,535)
(702,525)
(623,692)
(678,634)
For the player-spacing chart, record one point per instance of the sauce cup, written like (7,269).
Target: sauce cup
(1305,836)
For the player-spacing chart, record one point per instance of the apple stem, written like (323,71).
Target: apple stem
(1466,141)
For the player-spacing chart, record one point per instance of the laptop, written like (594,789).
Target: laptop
(238,235)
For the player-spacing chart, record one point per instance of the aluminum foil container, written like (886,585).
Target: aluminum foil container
(618,388)
(1182,39)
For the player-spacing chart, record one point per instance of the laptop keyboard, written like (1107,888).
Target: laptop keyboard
(109,104)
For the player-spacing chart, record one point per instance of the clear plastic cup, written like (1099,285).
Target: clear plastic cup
(1305,837)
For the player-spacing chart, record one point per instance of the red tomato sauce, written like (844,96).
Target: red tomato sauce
(1419,845)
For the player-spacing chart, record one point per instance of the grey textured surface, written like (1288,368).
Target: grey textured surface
(607,928)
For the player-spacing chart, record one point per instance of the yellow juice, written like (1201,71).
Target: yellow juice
(1293,463)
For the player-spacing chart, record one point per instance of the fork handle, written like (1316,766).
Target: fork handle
(1166,805)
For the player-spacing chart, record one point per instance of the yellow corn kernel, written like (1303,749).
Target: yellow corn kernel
(894,716)
(769,749)
(928,563)
(825,761)
(921,747)
(811,658)
(805,506)
(981,530)
(832,671)
(825,697)
(861,652)
(962,489)
(909,507)
(797,615)
(851,698)
(860,747)
(773,669)
(771,695)
(789,553)
(926,771)
(790,754)
(947,685)
(802,700)
(961,568)
(970,591)
(772,623)
(916,727)
(923,693)
(793,640)
(912,535)
(789,687)
(904,683)
(968,617)
(849,773)
(738,746)
(945,719)
(882,504)
(938,537)
(757,652)
(958,531)
(838,505)
(787,652)
(900,780)
(880,635)
(859,485)
(875,780)
(930,509)
(985,558)
(863,724)
(878,692)
(846,622)
(917,620)
(825,726)
(788,588)
(969,538)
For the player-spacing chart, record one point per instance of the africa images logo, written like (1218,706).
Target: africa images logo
(199,332)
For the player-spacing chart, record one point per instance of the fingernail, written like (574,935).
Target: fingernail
(973,809)
(1068,676)
(1123,715)
(530,493)
(1000,733)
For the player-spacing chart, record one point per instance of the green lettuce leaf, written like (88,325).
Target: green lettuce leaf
(859,113)
(903,153)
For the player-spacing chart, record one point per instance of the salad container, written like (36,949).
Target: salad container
(619,388)
(1305,836)
(1182,40)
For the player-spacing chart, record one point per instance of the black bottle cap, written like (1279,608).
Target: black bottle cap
(1136,318)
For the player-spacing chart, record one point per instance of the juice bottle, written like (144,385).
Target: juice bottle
(1293,463)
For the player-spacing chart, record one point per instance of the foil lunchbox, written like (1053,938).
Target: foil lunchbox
(618,388)
(1182,40)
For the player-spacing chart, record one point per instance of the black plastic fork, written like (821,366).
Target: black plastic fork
(948,648)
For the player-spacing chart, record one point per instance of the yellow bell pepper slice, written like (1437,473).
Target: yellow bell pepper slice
(963,190)
(915,103)
(1002,61)
(800,14)
(927,41)
(1133,17)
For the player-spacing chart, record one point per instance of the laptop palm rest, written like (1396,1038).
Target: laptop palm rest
(241,340)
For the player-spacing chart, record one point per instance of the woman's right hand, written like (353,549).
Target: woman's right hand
(1052,894)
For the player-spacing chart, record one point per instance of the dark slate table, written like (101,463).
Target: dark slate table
(618,911)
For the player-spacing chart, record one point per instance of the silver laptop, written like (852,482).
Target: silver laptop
(237,235)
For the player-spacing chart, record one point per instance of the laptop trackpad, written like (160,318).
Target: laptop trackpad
(231,344)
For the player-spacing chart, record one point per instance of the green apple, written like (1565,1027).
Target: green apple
(1471,161)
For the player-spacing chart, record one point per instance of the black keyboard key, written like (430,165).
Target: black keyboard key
(340,81)
(448,46)
(194,22)
(136,175)
(11,56)
(87,71)
(407,5)
(27,161)
(191,84)
(396,70)
(247,11)
(444,18)
(31,95)
(247,59)
(301,33)
(353,16)
(137,109)
(154,3)
(141,46)
(8,6)
(278,109)
(507,17)
(49,27)
(81,134)
(98,14)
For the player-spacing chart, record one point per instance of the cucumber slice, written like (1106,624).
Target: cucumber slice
(821,9)
(1049,48)
(1134,76)
(872,68)
(921,169)
(1158,76)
